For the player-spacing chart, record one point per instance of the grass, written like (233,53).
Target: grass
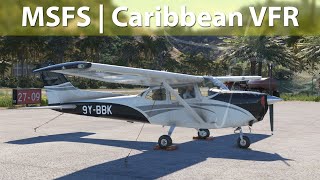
(300,97)
(6,101)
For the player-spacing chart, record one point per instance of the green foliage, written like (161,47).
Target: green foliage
(309,53)
(258,49)
(4,67)
(191,55)
(44,101)
(282,73)
(21,82)
(300,97)
(5,101)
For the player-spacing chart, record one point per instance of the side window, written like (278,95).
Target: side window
(185,92)
(157,95)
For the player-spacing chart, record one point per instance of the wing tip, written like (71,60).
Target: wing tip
(67,65)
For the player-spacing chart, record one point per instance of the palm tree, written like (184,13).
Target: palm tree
(258,50)
(309,53)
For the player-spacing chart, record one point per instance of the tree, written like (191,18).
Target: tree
(197,64)
(129,53)
(23,50)
(161,52)
(4,67)
(154,49)
(58,47)
(258,50)
(309,53)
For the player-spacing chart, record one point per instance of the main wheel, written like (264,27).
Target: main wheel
(165,141)
(203,133)
(243,143)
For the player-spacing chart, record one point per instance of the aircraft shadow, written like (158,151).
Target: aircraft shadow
(151,164)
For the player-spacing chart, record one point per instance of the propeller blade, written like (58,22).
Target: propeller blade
(272,100)
(271,117)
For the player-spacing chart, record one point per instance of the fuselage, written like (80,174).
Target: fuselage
(221,109)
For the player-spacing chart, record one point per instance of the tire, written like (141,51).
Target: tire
(203,133)
(245,143)
(164,141)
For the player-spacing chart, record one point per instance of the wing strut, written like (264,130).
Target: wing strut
(183,103)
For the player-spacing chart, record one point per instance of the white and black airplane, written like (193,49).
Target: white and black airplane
(172,99)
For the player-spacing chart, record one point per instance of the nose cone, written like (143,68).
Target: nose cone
(273,99)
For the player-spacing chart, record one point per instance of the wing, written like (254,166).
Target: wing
(120,74)
(237,78)
(134,76)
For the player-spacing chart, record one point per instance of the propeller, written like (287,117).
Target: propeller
(270,105)
(271,117)
(272,100)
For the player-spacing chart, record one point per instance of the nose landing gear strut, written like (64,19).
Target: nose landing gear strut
(243,141)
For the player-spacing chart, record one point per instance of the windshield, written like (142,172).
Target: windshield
(142,93)
(213,83)
(211,86)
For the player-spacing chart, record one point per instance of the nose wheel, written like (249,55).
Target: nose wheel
(243,141)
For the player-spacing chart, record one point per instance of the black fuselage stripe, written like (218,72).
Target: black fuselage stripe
(118,111)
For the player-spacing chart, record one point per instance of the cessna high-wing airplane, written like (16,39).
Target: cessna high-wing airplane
(172,99)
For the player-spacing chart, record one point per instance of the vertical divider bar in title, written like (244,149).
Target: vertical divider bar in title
(101,19)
